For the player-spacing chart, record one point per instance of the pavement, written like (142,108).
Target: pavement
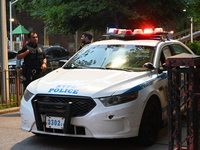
(161,143)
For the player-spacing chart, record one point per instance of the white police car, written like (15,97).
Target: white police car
(114,88)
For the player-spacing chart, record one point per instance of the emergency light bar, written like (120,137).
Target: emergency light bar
(149,33)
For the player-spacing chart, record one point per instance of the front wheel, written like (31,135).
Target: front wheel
(150,123)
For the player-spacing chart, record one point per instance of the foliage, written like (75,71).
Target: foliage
(8,106)
(9,103)
(68,16)
(191,11)
(195,47)
(195,12)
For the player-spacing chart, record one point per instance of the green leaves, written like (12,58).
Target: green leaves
(68,16)
(195,47)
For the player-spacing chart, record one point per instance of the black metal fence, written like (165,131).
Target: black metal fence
(11,93)
(10,87)
(184,98)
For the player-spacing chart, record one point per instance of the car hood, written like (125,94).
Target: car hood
(88,82)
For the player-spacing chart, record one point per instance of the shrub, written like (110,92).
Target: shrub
(195,47)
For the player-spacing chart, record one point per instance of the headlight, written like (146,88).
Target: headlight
(118,99)
(27,95)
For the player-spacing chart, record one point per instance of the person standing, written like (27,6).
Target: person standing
(35,62)
(86,38)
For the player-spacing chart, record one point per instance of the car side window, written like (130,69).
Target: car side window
(178,49)
(63,53)
(55,53)
(59,53)
(166,52)
(49,54)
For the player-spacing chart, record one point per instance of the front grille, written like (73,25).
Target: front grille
(57,104)
(60,106)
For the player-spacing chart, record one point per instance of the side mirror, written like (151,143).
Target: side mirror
(148,65)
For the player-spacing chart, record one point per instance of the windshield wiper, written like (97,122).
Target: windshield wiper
(70,67)
(109,68)
(123,69)
(73,65)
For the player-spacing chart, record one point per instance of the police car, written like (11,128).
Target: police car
(114,88)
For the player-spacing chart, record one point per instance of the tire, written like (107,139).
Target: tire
(150,123)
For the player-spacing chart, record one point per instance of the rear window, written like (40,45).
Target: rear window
(11,54)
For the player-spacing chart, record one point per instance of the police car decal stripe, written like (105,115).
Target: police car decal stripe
(147,83)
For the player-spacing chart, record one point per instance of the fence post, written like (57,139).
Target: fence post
(18,86)
(183,94)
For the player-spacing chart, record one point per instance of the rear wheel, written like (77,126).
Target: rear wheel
(150,123)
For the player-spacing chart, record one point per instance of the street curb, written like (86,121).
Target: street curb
(9,110)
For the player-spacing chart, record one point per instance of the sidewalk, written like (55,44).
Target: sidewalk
(9,110)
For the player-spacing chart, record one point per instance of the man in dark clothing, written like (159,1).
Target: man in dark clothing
(85,39)
(34,59)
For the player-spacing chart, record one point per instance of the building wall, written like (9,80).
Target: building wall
(69,42)
(38,25)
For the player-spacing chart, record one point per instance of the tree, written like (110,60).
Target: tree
(195,47)
(68,16)
(194,11)
(191,10)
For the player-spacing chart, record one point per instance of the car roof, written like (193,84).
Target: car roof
(152,43)
(54,47)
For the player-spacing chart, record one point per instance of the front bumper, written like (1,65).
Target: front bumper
(120,121)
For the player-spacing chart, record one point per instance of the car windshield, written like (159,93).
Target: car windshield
(122,57)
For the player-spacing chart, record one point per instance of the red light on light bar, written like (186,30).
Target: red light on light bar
(148,31)
(116,31)
(127,32)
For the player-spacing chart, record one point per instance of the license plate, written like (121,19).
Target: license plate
(55,122)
